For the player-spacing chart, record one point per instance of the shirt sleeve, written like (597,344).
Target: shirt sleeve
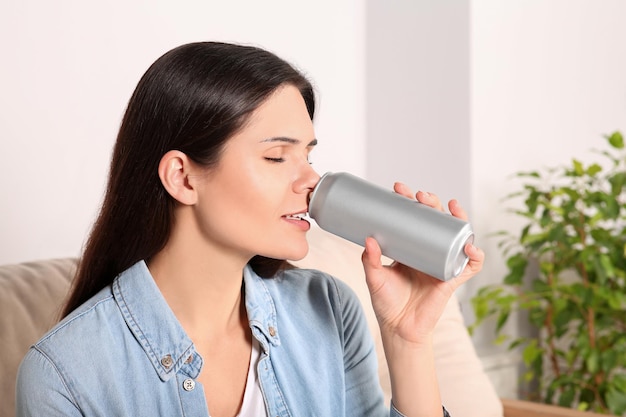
(40,390)
(364,395)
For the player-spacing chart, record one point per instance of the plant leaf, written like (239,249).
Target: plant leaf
(616,400)
(503,317)
(531,353)
(517,266)
(617,182)
(593,361)
(593,169)
(616,140)
(578,168)
(567,397)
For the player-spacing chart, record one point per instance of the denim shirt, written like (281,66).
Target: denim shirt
(124,353)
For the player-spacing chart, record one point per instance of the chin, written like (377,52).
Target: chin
(291,253)
(296,257)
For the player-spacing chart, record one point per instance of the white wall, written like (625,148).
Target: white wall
(69,67)
(417,86)
(548,80)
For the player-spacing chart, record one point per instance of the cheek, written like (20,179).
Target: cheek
(239,181)
(248,201)
(249,188)
(261,187)
(255,194)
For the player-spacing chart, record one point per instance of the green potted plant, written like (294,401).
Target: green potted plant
(567,275)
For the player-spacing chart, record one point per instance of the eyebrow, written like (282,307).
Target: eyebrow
(291,141)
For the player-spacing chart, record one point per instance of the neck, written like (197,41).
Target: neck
(201,284)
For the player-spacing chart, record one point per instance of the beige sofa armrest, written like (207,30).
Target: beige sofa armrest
(519,408)
(31,297)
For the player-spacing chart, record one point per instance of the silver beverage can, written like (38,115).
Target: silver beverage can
(407,231)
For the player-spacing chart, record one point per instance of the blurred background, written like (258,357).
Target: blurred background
(450,96)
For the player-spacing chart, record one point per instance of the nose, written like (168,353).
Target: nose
(308,180)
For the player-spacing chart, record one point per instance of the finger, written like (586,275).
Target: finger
(457,210)
(372,265)
(429,199)
(403,189)
(474,265)
(371,256)
(475,253)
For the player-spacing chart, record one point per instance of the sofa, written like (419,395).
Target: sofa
(32,293)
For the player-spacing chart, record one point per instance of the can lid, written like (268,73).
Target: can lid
(457,258)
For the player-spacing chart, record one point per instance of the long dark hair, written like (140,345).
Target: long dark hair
(192,99)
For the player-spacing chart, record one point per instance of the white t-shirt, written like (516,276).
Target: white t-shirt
(253,404)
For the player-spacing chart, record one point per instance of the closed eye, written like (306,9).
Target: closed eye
(277,160)
(288,141)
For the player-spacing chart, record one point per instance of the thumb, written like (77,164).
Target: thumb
(372,264)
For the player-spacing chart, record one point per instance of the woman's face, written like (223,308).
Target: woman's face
(252,201)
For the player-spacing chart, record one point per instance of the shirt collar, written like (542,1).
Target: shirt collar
(260,306)
(159,332)
(153,323)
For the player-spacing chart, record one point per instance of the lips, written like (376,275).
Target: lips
(300,220)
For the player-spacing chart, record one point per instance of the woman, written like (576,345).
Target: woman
(183,303)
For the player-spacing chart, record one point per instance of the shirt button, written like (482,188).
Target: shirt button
(272,331)
(189,384)
(189,359)
(167,361)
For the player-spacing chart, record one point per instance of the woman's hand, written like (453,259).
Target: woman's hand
(407,302)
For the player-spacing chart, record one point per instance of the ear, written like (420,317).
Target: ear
(174,170)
